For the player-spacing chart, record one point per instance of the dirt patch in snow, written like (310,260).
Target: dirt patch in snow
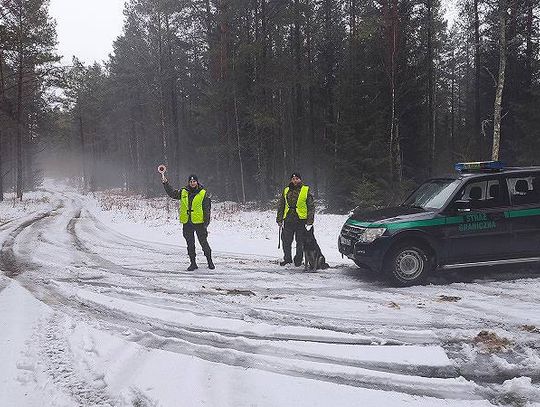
(236,291)
(448,298)
(530,328)
(490,342)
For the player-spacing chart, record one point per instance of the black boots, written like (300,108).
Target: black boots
(287,260)
(193,265)
(210,262)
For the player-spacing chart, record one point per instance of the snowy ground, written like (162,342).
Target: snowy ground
(97,310)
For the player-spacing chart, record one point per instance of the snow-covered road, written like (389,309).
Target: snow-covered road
(97,313)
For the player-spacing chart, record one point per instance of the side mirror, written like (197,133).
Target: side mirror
(462,206)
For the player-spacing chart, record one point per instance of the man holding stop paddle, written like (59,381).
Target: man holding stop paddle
(194,213)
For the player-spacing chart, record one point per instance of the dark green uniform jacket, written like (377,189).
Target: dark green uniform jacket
(292,198)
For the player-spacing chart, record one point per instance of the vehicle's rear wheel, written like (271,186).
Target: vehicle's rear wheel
(407,265)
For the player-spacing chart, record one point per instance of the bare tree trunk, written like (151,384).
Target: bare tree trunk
(93,162)
(330,132)
(394,150)
(477,114)
(131,167)
(314,147)
(224,99)
(500,82)
(529,52)
(298,133)
(452,110)
(282,133)
(431,89)
(263,136)
(352,20)
(239,147)
(83,154)
(161,92)
(2,87)
(1,170)
(174,97)
(18,141)
(237,128)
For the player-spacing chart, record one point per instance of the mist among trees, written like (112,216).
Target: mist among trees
(364,98)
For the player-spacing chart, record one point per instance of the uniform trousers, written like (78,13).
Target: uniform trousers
(291,230)
(189,230)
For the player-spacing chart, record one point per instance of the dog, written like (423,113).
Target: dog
(313,257)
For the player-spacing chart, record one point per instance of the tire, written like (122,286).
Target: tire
(407,265)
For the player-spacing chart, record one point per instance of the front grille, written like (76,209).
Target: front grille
(352,232)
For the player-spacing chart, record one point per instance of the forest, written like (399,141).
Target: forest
(365,98)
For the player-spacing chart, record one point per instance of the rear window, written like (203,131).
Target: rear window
(524,190)
(482,194)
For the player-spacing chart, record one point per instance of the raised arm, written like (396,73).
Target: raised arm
(173,193)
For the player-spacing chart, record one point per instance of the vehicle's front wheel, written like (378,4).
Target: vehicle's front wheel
(407,265)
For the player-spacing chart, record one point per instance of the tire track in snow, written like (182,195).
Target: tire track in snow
(8,261)
(100,260)
(235,349)
(61,366)
(370,376)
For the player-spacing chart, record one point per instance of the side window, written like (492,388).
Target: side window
(524,190)
(482,194)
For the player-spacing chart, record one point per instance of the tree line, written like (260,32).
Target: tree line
(365,98)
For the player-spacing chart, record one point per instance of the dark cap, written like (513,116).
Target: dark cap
(193,177)
(296,174)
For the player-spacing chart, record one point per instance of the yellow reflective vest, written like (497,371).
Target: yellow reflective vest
(301,204)
(196,210)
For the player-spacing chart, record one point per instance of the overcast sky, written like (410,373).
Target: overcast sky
(86,28)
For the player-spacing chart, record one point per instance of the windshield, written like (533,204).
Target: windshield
(432,194)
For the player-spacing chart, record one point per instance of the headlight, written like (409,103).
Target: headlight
(370,234)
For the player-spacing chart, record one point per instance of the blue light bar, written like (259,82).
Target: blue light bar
(479,166)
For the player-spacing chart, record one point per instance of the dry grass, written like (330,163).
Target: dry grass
(234,291)
(530,328)
(448,298)
(490,342)
(113,199)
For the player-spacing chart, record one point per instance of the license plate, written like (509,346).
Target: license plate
(344,241)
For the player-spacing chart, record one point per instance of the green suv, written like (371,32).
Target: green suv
(484,215)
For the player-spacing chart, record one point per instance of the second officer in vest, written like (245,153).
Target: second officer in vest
(194,215)
(296,210)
